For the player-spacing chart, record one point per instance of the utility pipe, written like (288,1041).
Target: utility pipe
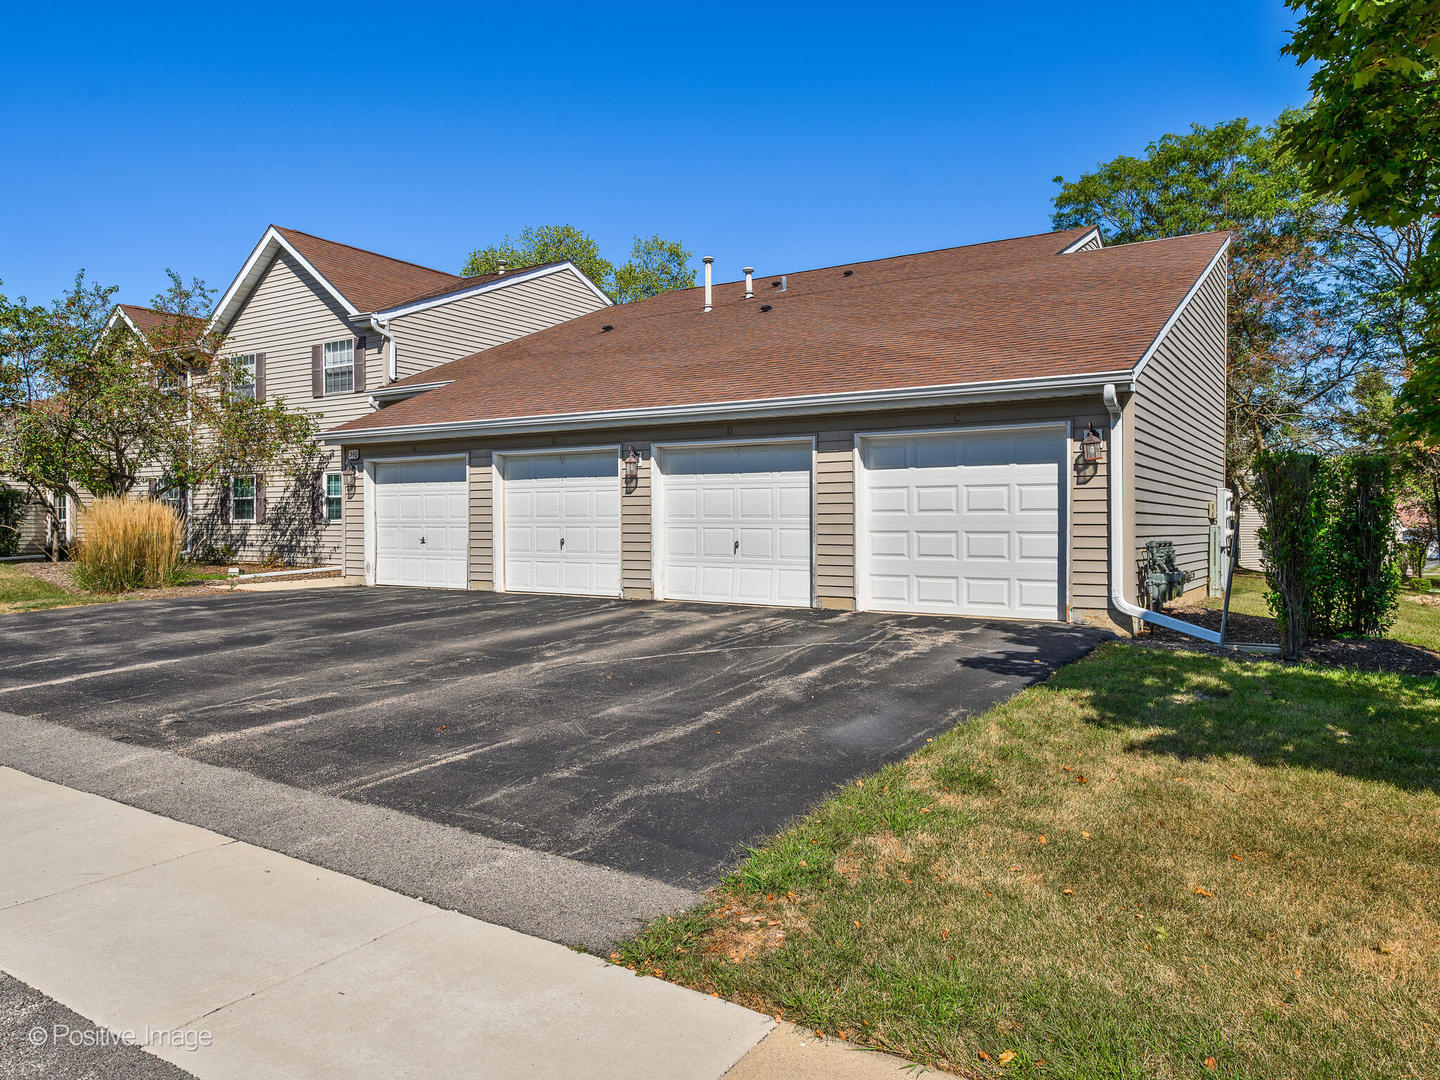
(1117,535)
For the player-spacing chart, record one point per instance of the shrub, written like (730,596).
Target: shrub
(1329,543)
(1289,492)
(1358,578)
(12,509)
(127,544)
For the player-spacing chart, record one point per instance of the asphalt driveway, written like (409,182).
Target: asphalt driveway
(655,739)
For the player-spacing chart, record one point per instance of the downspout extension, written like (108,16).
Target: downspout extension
(1117,533)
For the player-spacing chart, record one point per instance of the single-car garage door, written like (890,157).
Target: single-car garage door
(422,523)
(562,522)
(963,523)
(735,523)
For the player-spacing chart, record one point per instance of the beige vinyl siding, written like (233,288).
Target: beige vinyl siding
(285,316)
(440,334)
(1093,244)
(1179,433)
(33,524)
(834,506)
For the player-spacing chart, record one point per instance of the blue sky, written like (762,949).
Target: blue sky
(783,135)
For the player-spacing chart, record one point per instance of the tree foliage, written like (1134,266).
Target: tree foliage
(87,404)
(656,265)
(1370,138)
(1292,354)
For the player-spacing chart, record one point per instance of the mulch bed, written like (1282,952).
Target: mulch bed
(1360,654)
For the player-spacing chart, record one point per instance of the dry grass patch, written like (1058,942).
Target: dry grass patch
(1154,859)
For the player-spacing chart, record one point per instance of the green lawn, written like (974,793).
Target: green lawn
(20,591)
(1417,623)
(1156,864)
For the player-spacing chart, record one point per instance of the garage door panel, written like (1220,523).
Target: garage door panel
(752,510)
(422,527)
(969,524)
(562,517)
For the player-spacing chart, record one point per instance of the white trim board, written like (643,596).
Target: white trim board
(463,293)
(854,401)
(1094,233)
(270,243)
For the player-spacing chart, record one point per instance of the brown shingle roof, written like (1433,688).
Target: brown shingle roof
(987,312)
(369,281)
(149,321)
(461,284)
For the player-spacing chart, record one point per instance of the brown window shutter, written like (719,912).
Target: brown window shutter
(259,499)
(317,370)
(360,365)
(320,497)
(225,500)
(259,376)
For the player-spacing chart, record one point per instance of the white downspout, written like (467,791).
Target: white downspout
(392,362)
(1117,535)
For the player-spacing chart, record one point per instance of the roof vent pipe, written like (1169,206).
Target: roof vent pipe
(749,272)
(501,268)
(707,260)
(783,283)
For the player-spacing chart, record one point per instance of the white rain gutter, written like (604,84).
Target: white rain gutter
(1117,535)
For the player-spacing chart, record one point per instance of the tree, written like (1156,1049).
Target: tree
(1370,138)
(1291,352)
(87,405)
(538,244)
(656,265)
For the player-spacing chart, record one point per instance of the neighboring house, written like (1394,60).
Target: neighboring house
(905,434)
(329,327)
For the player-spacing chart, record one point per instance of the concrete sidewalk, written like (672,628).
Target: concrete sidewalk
(230,960)
(139,923)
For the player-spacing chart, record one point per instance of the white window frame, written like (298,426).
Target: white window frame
(235,518)
(328,367)
(338,497)
(63,517)
(245,362)
(175,503)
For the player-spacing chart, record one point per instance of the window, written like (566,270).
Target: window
(339,366)
(244,375)
(242,498)
(174,498)
(334,501)
(62,514)
(168,378)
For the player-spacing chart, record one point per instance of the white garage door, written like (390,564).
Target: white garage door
(736,524)
(422,523)
(963,524)
(562,523)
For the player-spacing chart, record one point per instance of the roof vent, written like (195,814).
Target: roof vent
(606,328)
(707,260)
(749,272)
(764,307)
(501,268)
(849,272)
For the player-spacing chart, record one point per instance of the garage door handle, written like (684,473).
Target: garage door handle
(422,539)
(562,543)
(737,547)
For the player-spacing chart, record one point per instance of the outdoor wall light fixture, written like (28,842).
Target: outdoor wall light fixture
(632,465)
(1092,447)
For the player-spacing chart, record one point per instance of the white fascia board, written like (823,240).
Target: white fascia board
(1180,310)
(858,401)
(490,286)
(399,393)
(1093,233)
(240,288)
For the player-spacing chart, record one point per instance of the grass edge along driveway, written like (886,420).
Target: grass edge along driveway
(1156,864)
